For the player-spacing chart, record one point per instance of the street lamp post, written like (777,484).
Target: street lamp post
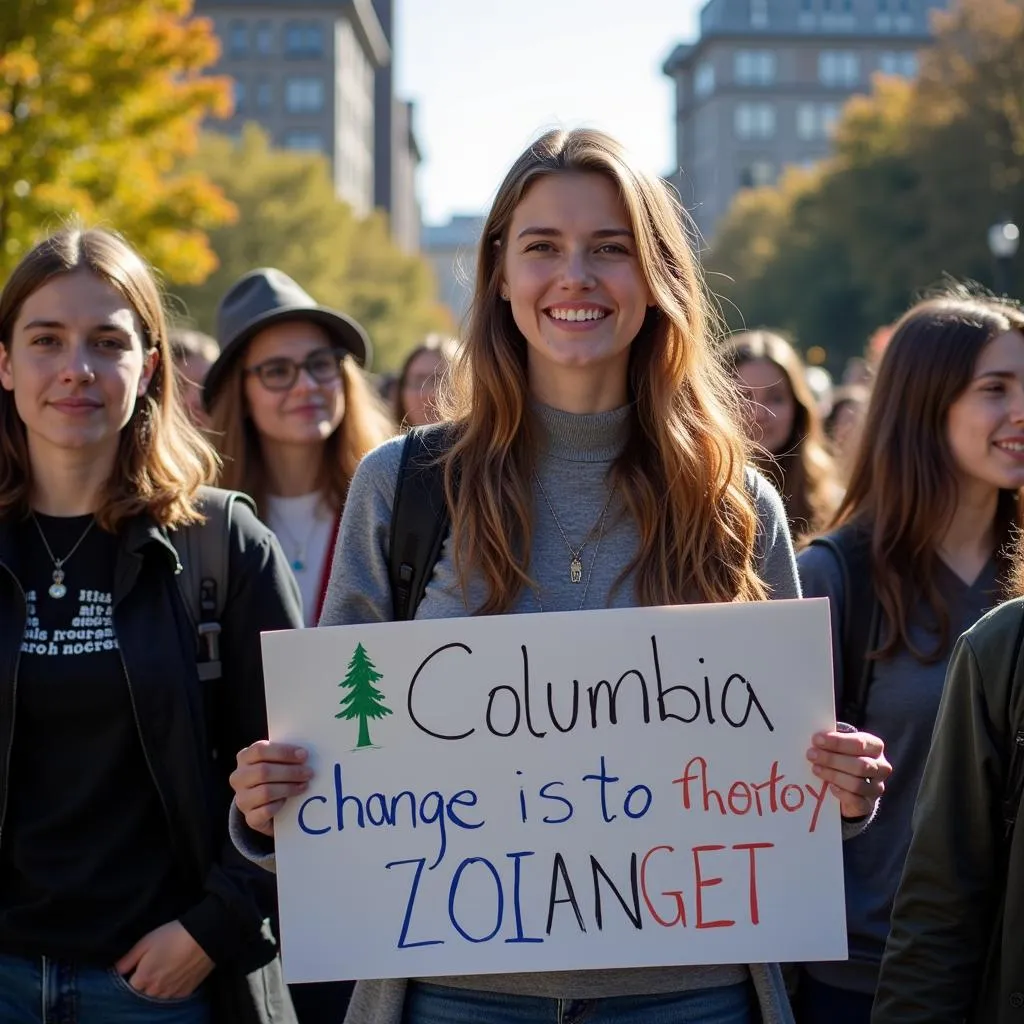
(1003,241)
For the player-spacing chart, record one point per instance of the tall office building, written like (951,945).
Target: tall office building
(765,81)
(396,152)
(451,250)
(307,72)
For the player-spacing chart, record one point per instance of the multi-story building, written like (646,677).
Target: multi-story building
(402,200)
(396,152)
(765,81)
(306,71)
(451,250)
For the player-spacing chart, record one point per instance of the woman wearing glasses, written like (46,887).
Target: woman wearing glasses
(292,415)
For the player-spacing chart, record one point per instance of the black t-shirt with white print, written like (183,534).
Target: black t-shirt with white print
(86,865)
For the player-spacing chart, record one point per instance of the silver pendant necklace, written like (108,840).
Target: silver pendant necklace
(57,589)
(575,554)
(593,563)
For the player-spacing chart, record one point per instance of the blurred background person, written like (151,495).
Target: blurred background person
(821,386)
(386,384)
(192,354)
(843,423)
(857,369)
(925,530)
(783,419)
(421,375)
(292,415)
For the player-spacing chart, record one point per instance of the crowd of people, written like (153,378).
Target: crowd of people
(600,415)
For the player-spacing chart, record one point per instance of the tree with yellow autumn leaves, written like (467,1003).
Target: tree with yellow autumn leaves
(289,217)
(102,103)
(920,171)
(100,100)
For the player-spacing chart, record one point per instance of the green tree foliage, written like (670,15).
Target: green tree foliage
(290,218)
(99,101)
(920,171)
(363,701)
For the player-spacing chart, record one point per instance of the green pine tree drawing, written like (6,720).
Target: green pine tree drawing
(363,701)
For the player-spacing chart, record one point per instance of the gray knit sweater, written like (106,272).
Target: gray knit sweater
(901,707)
(573,471)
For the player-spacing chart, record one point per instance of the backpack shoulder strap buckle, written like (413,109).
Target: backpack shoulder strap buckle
(420,518)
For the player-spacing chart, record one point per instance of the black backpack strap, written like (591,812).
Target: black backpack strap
(862,617)
(203,555)
(419,517)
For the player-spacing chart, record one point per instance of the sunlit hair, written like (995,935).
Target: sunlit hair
(162,459)
(802,469)
(365,425)
(903,480)
(681,473)
(445,347)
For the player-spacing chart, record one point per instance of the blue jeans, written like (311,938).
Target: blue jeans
(438,1004)
(45,991)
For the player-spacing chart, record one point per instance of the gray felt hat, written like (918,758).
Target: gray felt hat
(267,296)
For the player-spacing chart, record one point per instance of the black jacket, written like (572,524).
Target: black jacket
(955,952)
(189,738)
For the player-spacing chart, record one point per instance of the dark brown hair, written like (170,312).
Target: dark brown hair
(162,459)
(803,471)
(903,480)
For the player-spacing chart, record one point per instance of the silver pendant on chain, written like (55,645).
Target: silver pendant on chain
(576,571)
(57,589)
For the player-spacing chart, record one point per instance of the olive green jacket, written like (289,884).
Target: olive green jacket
(956,949)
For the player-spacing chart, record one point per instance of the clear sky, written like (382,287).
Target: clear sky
(489,75)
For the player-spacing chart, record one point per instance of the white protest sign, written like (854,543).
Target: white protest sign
(616,788)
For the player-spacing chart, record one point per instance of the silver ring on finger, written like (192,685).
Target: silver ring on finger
(868,782)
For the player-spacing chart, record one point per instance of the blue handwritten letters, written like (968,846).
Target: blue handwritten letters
(557,792)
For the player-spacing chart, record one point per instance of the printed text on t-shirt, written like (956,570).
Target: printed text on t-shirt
(89,632)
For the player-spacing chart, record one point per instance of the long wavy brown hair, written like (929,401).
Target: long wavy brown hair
(365,425)
(803,471)
(903,482)
(162,459)
(682,469)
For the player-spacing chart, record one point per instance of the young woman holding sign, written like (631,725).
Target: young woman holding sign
(595,423)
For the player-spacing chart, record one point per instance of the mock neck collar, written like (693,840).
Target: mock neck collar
(583,437)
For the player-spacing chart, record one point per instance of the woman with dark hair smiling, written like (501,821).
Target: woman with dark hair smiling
(928,523)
